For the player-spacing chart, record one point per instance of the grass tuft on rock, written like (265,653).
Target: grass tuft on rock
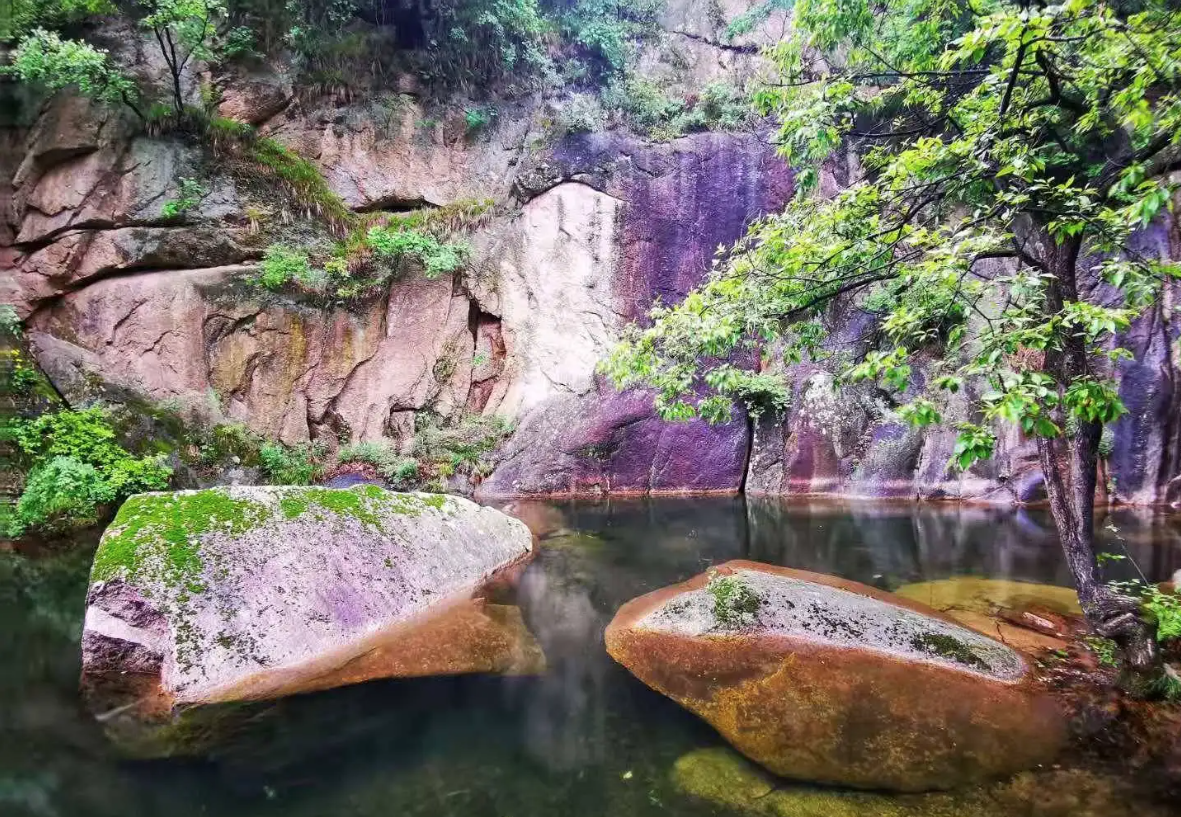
(734,602)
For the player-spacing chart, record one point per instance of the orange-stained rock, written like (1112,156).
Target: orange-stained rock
(835,682)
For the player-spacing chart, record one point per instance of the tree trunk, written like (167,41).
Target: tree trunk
(1070,467)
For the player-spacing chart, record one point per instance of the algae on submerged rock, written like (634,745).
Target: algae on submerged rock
(723,778)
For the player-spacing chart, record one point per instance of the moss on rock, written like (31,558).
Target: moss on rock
(157,537)
(161,533)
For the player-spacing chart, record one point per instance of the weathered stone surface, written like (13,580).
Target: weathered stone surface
(216,350)
(254,96)
(248,593)
(676,204)
(835,682)
(608,442)
(78,257)
(550,276)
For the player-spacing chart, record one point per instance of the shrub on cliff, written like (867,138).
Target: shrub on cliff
(76,468)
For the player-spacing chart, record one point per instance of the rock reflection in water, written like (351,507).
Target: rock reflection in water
(583,739)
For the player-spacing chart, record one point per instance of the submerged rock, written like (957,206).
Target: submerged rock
(1024,615)
(248,593)
(722,778)
(831,681)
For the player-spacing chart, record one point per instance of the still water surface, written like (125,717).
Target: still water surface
(583,739)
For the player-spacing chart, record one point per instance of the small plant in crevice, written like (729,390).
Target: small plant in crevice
(734,602)
(1104,650)
(478,117)
(190,192)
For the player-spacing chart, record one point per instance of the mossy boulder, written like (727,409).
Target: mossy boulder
(834,682)
(248,593)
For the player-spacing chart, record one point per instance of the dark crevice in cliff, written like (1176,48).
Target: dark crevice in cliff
(750,447)
(738,49)
(395,204)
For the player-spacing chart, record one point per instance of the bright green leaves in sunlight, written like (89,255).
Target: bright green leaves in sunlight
(44,58)
(1006,156)
(971,444)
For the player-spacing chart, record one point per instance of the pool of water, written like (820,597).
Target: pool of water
(585,738)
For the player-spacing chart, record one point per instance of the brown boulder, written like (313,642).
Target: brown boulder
(835,682)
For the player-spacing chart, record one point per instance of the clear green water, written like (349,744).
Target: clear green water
(584,739)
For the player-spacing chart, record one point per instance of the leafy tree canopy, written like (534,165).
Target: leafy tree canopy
(998,131)
(1010,152)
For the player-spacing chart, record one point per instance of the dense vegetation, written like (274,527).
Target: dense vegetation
(1011,151)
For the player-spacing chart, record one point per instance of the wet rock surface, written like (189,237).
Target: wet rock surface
(834,682)
(245,593)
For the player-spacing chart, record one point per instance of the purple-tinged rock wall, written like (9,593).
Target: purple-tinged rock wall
(682,201)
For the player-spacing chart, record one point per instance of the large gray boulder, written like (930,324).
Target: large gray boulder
(247,593)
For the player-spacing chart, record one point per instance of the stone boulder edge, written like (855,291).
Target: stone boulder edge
(838,683)
(238,594)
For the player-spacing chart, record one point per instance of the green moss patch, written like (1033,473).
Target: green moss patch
(368,504)
(946,646)
(165,529)
(170,525)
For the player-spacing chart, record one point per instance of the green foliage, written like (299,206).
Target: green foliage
(406,470)
(291,465)
(754,16)
(734,603)
(43,58)
(436,257)
(10,322)
(610,30)
(301,176)
(189,194)
(228,443)
(17,19)
(373,253)
(381,455)
(1165,610)
(1103,648)
(642,102)
(478,117)
(581,114)
(184,31)
(1040,135)
(17,376)
(480,41)
(282,265)
(61,494)
(646,108)
(76,466)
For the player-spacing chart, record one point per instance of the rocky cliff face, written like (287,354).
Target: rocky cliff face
(122,303)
